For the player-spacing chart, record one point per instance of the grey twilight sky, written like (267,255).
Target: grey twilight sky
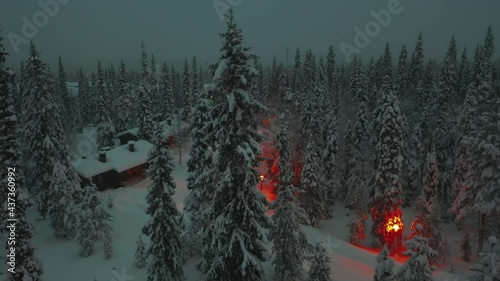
(83,31)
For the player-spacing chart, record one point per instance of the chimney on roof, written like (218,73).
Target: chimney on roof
(131,146)
(102,156)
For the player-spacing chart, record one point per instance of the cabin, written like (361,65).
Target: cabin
(126,136)
(123,165)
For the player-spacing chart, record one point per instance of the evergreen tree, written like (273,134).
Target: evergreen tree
(104,127)
(428,211)
(330,68)
(140,253)
(357,225)
(167,95)
(27,265)
(488,268)
(290,245)
(320,268)
(62,210)
(200,178)
(386,200)
(196,84)
(146,121)
(463,75)
(236,248)
(162,228)
(63,99)
(154,87)
(387,63)
(108,242)
(417,61)
(124,101)
(402,73)
(417,267)
(186,93)
(384,268)
(329,158)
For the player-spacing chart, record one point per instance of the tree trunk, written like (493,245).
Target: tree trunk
(481,234)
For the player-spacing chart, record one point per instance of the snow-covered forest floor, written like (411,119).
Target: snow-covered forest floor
(62,262)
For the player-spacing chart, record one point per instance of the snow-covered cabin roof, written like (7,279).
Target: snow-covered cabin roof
(133,131)
(118,159)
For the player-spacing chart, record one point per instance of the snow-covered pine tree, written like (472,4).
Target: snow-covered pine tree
(145,117)
(296,77)
(141,255)
(312,199)
(200,178)
(346,156)
(237,235)
(108,242)
(385,265)
(27,264)
(196,84)
(167,95)
(428,210)
(464,164)
(411,175)
(290,245)
(330,68)
(320,265)
(402,79)
(417,267)
(488,268)
(387,195)
(357,172)
(329,158)
(163,226)
(187,96)
(154,87)
(444,133)
(123,101)
(463,76)
(417,61)
(63,99)
(357,225)
(465,248)
(62,210)
(104,126)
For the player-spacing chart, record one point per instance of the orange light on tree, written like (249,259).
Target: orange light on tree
(394,224)
(393,231)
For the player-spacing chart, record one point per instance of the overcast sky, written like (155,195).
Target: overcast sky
(84,31)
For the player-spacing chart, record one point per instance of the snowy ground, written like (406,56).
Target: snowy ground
(62,263)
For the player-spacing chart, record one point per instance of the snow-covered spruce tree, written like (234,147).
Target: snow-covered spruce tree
(386,200)
(357,171)
(348,148)
(330,68)
(312,199)
(43,137)
(145,117)
(417,267)
(63,99)
(444,133)
(154,87)
(84,98)
(463,75)
(62,210)
(488,268)
(297,74)
(237,235)
(329,158)
(417,61)
(357,225)
(27,265)
(465,248)
(108,241)
(402,79)
(385,265)
(428,211)
(163,226)
(200,178)
(290,245)
(196,84)
(140,253)
(93,220)
(187,97)
(411,175)
(320,265)
(464,153)
(167,95)
(123,101)
(104,127)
